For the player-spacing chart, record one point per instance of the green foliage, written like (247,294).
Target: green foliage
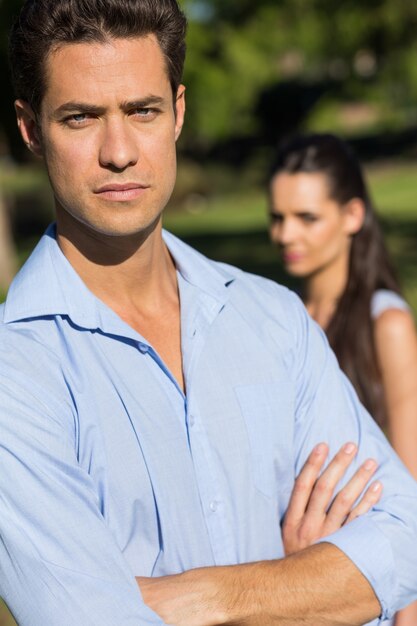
(225,70)
(238,48)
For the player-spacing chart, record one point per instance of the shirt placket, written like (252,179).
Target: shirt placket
(199,313)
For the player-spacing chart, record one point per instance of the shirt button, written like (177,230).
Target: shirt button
(214,506)
(191,420)
(143,348)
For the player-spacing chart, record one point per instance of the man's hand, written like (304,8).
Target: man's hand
(312,512)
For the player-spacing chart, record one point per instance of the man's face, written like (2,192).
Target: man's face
(107,131)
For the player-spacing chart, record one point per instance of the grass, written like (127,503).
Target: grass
(233,227)
(395,190)
(394,187)
(5,618)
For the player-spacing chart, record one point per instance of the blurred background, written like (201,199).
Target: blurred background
(255,73)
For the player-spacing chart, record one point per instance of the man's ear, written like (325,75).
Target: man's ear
(28,126)
(179,110)
(354,215)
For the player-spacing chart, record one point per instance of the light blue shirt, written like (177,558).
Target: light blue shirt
(107,471)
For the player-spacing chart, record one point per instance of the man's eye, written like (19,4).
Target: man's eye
(145,113)
(76,119)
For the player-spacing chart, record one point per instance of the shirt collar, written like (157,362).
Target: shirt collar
(211,277)
(47,285)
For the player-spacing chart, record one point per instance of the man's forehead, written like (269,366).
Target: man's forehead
(115,65)
(145,49)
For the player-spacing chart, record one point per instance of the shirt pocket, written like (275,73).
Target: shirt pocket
(268,413)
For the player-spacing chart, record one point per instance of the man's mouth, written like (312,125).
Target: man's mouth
(121,192)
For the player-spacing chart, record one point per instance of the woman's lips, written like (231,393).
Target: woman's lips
(292,257)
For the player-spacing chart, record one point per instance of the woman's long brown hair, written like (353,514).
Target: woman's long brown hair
(351,329)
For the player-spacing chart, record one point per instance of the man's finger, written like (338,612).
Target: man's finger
(343,503)
(370,498)
(323,491)
(304,484)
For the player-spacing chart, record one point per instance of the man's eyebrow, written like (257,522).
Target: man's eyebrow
(140,103)
(84,107)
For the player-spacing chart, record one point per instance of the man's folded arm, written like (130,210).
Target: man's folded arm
(59,563)
(318,585)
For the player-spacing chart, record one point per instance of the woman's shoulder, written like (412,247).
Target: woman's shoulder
(393,319)
(396,346)
(384,300)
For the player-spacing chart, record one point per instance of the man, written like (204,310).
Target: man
(155,406)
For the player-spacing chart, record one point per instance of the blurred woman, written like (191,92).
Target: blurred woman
(323,221)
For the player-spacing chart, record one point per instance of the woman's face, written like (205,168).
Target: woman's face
(312,230)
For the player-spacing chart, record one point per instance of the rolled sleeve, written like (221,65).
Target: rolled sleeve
(371,552)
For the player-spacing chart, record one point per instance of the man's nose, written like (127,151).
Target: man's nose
(119,147)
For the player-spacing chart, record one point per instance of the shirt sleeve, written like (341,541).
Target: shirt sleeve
(59,563)
(382,543)
(383,299)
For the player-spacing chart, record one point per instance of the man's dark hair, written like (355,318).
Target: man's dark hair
(45,25)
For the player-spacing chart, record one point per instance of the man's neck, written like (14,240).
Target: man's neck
(135,272)
(136,278)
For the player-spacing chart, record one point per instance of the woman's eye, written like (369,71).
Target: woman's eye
(275,218)
(309,218)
